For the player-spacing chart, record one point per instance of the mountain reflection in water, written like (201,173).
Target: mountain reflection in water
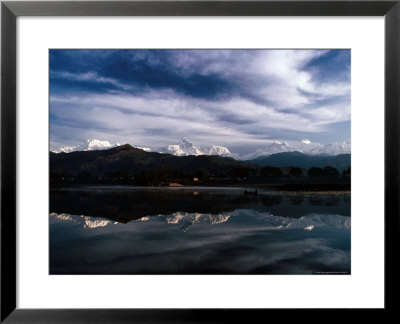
(197,231)
(127,204)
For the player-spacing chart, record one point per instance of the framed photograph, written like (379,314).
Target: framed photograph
(163,159)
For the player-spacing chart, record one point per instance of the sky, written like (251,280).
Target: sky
(239,99)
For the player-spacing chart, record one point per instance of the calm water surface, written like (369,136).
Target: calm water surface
(127,230)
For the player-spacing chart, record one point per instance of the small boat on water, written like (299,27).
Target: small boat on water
(251,192)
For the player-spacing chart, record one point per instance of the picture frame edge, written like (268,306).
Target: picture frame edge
(8,297)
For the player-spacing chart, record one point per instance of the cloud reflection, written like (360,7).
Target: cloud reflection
(245,241)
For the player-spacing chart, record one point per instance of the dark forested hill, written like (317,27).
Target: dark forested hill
(134,160)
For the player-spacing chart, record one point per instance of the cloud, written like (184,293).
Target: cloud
(222,97)
(89,77)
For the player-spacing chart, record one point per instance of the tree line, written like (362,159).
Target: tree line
(164,175)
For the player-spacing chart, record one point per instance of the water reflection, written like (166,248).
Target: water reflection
(185,220)
(199,231)
(124,205)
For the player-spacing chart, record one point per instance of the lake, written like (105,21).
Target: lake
(198,230)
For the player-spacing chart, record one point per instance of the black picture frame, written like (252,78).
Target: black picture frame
(10,10)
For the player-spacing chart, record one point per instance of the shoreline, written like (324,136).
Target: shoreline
(264,189)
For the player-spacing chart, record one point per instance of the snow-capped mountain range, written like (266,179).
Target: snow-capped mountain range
(304,146)
(185,147)
(89,145)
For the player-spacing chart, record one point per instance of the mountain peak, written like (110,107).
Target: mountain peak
(93,144)
(186,147)
(123,147)
(305,141)
(185,140)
